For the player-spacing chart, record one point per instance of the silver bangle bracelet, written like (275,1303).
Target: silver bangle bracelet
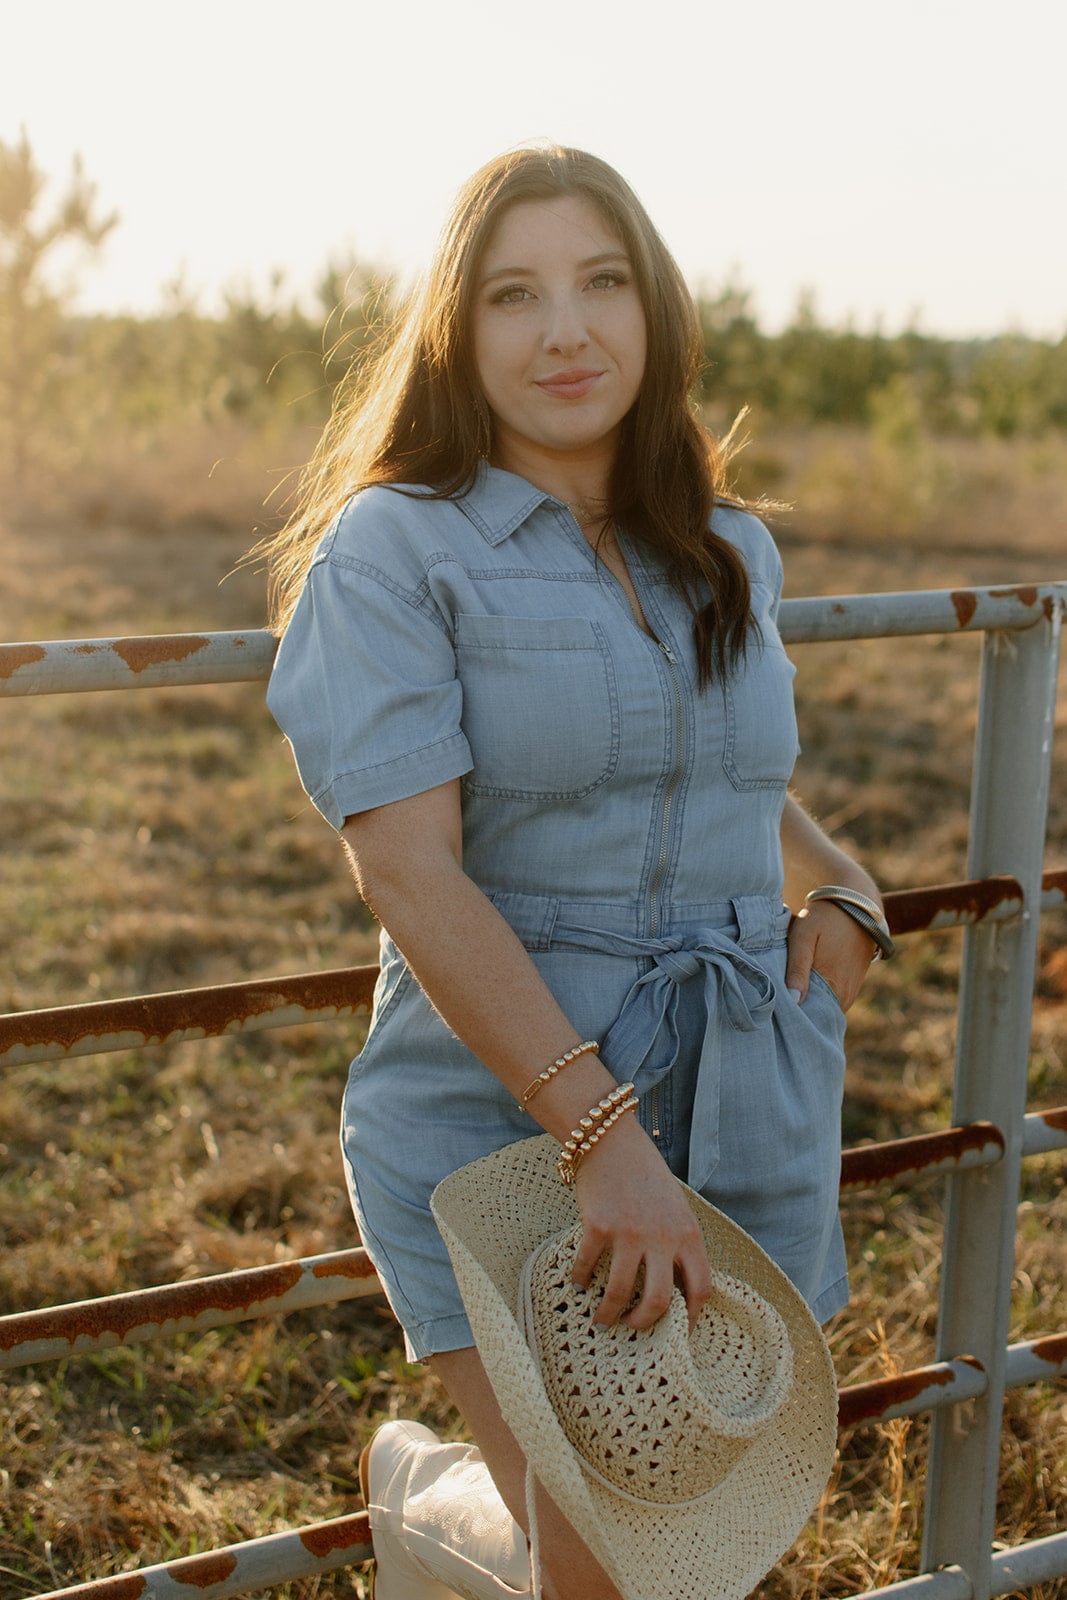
(862,909)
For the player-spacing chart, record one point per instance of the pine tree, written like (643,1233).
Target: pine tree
(31,303)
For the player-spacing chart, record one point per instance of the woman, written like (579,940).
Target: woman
(530,671)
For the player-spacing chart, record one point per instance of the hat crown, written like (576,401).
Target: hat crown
(660,1415)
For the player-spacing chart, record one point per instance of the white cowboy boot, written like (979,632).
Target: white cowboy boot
(439,1526)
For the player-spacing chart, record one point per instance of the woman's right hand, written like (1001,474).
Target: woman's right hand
(632,1207)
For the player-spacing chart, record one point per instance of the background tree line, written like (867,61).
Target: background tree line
(74,384)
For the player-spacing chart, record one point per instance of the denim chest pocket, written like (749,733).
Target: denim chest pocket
(761,725)
(540,705)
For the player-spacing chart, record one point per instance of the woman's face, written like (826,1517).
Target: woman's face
(559,334)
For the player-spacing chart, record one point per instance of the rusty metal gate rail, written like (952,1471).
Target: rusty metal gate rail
(980,1155)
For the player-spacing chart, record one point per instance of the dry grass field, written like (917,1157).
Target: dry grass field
(158,839)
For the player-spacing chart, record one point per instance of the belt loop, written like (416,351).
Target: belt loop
(760,923)
(531,916)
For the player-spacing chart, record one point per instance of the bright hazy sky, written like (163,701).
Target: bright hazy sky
(897,158)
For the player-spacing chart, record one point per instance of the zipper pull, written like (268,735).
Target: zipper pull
(668,652)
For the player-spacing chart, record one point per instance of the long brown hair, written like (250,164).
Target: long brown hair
(415,413)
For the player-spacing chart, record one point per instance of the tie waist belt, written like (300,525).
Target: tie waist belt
(716,949)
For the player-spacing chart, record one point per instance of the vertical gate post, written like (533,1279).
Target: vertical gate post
(1009,803)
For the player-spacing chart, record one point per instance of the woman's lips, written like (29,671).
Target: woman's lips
(570,385)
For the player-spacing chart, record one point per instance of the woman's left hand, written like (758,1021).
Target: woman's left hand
(827,938)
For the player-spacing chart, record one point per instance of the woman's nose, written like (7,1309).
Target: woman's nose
(565,328)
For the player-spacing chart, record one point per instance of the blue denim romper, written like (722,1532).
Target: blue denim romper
(625,826)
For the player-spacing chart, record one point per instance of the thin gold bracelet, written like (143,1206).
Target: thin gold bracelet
(583,1049)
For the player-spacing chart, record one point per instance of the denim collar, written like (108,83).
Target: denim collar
(498,502)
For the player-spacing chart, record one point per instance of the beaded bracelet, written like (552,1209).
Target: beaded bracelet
(863,910)
(560,1062)
(592,1128)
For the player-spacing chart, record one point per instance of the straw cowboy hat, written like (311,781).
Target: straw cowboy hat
(687,1464)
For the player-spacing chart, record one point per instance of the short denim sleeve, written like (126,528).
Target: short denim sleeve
(758,548)
(364,688)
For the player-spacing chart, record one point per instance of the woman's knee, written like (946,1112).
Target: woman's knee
(569,1569)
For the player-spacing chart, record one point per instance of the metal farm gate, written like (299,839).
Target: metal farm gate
(980,1155)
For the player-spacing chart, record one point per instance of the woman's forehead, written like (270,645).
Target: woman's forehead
(534,230)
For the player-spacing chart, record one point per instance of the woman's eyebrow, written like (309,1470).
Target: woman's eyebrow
(590,261)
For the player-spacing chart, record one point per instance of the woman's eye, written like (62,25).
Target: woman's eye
(608,280)
(512,294)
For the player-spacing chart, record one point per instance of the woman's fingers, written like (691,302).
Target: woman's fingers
(621,1286)
(637,1217)
(800,951)
(695,1275)
(594,1242)
(640,1285)
(825,937)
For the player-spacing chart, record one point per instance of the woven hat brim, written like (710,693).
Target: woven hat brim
(492,1214)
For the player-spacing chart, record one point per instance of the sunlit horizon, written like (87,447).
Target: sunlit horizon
(903,169)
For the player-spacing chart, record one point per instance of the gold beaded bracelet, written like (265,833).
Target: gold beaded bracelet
(560,1062)
(592,1128)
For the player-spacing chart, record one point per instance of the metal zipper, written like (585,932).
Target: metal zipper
(665,825)
(672,784)
(668,802)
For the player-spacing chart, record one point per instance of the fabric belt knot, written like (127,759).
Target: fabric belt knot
(642,1043)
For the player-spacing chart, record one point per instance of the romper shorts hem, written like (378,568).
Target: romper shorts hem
(436,1337)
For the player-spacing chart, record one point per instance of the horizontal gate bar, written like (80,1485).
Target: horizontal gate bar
(58,666)
(150,661)
(150,1019)
(1026,1564)
(342,1541)
(949,1583)
(946,1383)
(169,1018)
(978,1144)
(191,1307)
(872,616)
(345,1541)
(1044,1131)
(905,1394)
(239,1568)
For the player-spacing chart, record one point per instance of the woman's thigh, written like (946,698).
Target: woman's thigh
(569,1571)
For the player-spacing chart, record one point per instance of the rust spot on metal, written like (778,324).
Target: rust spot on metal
(965,605)
(354,1264)
(123,1586)
(913,910)
(1026,594)
(203,1571)
(866,1402)
(874,1163)
(1053,1349)
(1055,880)
(838,608)
(1056,1118)
(341,1533)
(120,1314)
(13,657)
(87,649)
(153,651)
(155,1018)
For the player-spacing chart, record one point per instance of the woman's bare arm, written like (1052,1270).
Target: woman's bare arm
(408,864)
